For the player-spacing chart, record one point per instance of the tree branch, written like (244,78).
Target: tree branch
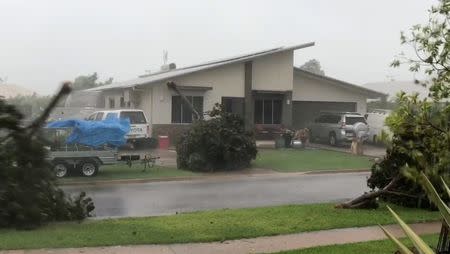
(37,123)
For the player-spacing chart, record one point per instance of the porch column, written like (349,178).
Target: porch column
(249,103)
(286,115)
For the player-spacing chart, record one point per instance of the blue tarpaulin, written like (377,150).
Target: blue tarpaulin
(95,133)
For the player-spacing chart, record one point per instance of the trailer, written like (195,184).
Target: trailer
(81,146)
(86,162)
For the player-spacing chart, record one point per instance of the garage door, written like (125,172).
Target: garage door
(304,112)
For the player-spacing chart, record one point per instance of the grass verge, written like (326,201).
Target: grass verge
(205,226)
(118,172)
(372,247)
(291,160)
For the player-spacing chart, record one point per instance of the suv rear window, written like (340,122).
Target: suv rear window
(136,117)
(351,120)
(328,119)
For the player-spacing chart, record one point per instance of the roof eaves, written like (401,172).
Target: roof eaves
(366,90)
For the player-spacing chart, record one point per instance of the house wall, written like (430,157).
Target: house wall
(129,96)
(226,81)
(273,72)
(311,89)
(115,94)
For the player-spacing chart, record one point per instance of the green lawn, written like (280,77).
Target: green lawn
(115,172)
(290,160)
(205,226)
(372,247)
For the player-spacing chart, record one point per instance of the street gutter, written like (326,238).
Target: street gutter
(211,176)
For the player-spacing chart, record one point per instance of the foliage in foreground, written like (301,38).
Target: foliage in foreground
(418,242)
(420,128)
(29,196)
(218,143)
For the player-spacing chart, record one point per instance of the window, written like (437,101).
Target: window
(111,115)
(136,117)
(112,102)
(181,112)
(99,116)
(268,111)
(91,117)
(122,102)
(233,105)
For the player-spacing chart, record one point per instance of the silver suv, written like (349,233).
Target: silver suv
(338,127)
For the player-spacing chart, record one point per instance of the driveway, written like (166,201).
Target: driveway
(162,198)
(369,150)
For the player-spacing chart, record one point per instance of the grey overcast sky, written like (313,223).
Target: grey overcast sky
(43,42)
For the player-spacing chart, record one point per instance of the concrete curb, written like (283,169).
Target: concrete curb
(338,171)
(215,176)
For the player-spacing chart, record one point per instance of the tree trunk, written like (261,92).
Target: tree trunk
(171,85)
(364,199)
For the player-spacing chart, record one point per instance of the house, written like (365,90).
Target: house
(263,86)
(393,87)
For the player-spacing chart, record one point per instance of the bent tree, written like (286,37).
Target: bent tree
(420,128)
(29,195)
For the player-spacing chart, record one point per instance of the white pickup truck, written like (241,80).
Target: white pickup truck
(140,128)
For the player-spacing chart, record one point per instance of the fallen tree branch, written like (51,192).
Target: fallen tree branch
(367,197)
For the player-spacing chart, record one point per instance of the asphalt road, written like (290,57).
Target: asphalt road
(162,198)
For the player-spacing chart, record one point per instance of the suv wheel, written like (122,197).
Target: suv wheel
(332,139)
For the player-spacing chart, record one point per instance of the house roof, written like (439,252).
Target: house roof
(369,92)
(160,76)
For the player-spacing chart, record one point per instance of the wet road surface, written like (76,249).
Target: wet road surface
(162,198)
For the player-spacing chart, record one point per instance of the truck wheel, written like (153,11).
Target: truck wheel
(332,139)
(89,168)
(60,168)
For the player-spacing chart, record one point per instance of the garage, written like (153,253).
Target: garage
(304,112)
(314,93)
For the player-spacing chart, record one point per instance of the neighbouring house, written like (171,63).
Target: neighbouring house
(264,87)
(392,88)
(79,105)
(8,91)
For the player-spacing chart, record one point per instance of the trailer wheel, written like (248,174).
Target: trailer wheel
(89,168)
(60,168)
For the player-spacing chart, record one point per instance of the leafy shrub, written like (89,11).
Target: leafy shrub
(419,245)
(219,143)
(29,196)
(418,145)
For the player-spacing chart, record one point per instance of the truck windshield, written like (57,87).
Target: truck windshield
(136,117)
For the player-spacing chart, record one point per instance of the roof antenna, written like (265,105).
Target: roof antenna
(165,56)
